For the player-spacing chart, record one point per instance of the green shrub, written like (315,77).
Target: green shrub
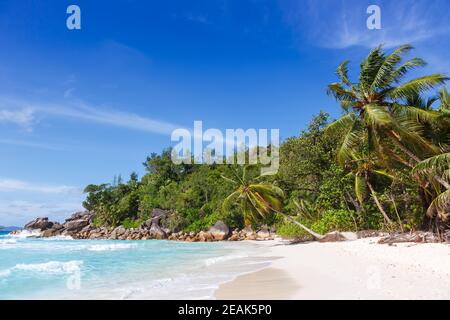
(203,223)
(341,220)
(130,223)
(289,230)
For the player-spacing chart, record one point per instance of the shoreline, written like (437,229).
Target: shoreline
(359,269)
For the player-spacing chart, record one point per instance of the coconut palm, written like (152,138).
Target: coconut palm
(258,200)
(440,165)
(363,171)
(377,107)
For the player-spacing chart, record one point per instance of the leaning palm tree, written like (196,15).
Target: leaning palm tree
(440,165)
(377,107)
(258,200)
(363,171)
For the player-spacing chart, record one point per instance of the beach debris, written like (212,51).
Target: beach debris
(333,236)
(416,237)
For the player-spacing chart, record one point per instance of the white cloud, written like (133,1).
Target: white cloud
(18,212)
(23,117)
(15,142)
(9,185)
(342,24)
(68,93)
(81,111)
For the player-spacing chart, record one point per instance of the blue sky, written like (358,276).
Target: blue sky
(81,106)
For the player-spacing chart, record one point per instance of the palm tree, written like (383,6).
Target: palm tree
(258,200)
(363,172)
(377,107)
(440,165)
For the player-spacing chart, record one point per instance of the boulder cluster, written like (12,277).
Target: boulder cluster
(80,226)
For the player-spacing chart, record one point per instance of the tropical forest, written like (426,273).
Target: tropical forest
(384,164)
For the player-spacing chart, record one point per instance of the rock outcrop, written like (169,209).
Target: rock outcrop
(219,231)
(80,226)
(39,224)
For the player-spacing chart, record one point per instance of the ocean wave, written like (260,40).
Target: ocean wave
(111,247)
(26,234)
(58,238)
(5,273)
(210,261)
(54,267)
(8,241)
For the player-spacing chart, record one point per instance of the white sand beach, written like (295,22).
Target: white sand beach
(360,269)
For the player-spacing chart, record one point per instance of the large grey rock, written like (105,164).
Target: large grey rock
(219,230)
(55,230)
(147,224)
(117,232)
(263,234)
(157,233)
(95,235)
(75,225)
(39,223)
(51,233)
(84,215)
(157,214)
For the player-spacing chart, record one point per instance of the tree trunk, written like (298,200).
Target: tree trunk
(314,234)
(354,202)
(380,207)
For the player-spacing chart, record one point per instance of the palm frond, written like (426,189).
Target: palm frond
(230,200)
(384,173)
(342,72)
(383,77)
(349,144)
(360,188)
(267,189)
(369,68)
(437,164)
(402,70)
(340,125)
(417,114)
(377,116)
(417,86)
(228,179)
(440,206)
(340,93)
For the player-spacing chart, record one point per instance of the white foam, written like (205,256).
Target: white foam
(59,238)
(26,234)
(5,273)
(111,247)
(211,261)
(55,267)
(8,241)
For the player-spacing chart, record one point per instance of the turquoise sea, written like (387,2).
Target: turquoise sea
(63,268)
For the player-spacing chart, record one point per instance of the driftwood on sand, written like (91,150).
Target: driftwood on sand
(417,237)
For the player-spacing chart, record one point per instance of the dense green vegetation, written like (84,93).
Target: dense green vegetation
(366,170)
